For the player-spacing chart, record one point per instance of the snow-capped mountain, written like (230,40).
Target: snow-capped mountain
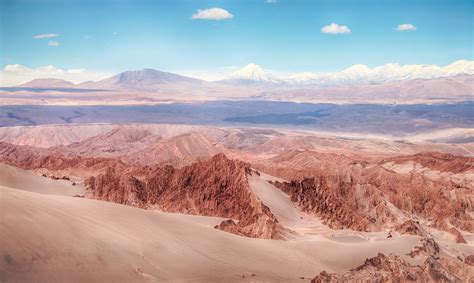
(255,77)
(389,72)
(305,77)
(252,74)
(356,74)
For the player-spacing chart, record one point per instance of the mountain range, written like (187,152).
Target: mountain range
(254,75)
(356,74)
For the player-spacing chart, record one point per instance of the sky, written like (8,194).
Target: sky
(210,38)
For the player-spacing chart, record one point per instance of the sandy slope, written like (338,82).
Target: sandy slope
(306,226)
(59,238)
(17,178)
(279,203)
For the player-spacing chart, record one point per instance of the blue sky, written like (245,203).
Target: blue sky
(285,36)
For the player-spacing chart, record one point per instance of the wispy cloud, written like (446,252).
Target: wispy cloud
(53,43)
(271,1)
(335,29)
(15,74)
(45,35)
(406,27)
(216,14)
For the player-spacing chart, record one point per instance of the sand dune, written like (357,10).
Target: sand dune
(279,203)
(17,178)
(58,238)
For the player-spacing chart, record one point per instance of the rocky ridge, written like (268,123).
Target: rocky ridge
(217,187)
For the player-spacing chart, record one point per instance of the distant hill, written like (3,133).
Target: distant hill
(47,83)
(146,79)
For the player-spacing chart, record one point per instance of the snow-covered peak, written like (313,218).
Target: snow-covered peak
(359,73)
(356,74)
(459,67)
(357,69)
(303,77)
(253,73)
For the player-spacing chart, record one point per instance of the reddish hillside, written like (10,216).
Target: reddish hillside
(177,151)
(32,158)
(339,207)
(343,194)
(217,187)
(438,161)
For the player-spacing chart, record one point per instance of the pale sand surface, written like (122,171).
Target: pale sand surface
(58,239)
(17,178)
(279,203)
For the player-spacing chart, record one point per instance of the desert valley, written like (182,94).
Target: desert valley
(140,141)
(101,185)
(182,202)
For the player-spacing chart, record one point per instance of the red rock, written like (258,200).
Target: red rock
(393,268)
(217,187)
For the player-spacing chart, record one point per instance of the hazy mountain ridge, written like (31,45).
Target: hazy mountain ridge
(254,75)
(388,84)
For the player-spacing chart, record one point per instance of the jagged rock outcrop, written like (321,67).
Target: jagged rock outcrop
(410,227)
(383,197)
(427,247)
(217,187)
(393,268)
(346,206)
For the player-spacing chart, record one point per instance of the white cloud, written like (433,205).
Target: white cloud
(403,27)
(45,35)
(16,74)
(212,14)
(335,29)
(270,1)
(53,43)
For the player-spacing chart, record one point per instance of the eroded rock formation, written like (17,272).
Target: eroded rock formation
(393,268)
(376,198)
(217,187)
